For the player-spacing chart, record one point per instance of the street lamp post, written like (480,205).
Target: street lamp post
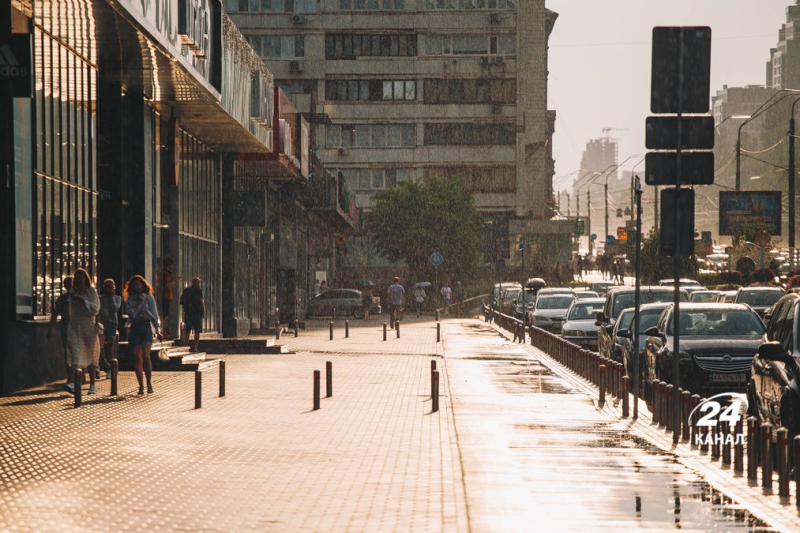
(792,178)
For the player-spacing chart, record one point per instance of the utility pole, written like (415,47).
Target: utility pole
(637,298)
(605,190)
(792,178)
(589,217)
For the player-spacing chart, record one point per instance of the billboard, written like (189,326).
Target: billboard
(739,208)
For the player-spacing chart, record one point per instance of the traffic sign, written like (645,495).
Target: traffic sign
(611,240)
(677,203)
(580,227)
(436,259)
(697,133)
(697,168)
(666,79)
(622,234)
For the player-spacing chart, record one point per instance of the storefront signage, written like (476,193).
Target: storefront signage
(194,26)
(759,208)
(15,66)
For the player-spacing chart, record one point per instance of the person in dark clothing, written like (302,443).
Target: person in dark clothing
(194,309)
(61,308)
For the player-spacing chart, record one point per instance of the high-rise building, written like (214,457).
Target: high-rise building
(404,89)
(783,67)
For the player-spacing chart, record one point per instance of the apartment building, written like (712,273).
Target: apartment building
(404,89)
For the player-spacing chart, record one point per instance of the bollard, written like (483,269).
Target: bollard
(346,329)
(222,378)
(738,447)
(296,328)
(752,449)
(77,381)
(433,369)
(198,389)
(625,396)
(726,443)
(330,331)
(695,430)
(438,332)
(796,455)
(766,455)
(703,433)
(656,400)
(522,333)
(328,379)
(662,387)
(397,328)
(316,390)
(782,459)
(668,403)
(602,385)
(716,436)
(435,396)
(438,316)
(384,331)
(686,408)
(277,330)
(114,376)
(334,314)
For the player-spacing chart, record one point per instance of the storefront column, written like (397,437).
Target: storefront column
(229,328)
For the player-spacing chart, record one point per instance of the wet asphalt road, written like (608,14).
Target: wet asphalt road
(538,456)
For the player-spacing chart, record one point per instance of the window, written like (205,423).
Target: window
(372,136)
(470,134)
(372,5)
(374,178)
(351,46)
(278,46)
(469,4)
(478,179)
(470,91)
(272,6)
(470,44)
(370,90)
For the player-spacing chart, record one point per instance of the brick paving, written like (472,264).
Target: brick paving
(373,458)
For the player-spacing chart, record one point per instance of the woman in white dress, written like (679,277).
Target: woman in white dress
(83,347)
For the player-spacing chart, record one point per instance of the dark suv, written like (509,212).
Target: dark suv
(773,393)
(619,298)
(761,299)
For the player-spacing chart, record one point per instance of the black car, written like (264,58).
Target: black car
(773,393)
(718,343)
(761,299)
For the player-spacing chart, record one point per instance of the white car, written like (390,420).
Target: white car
(550,311)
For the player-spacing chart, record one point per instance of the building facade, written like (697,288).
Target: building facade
(404,89)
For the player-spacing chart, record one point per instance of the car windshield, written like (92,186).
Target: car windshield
(626,299)
(625,320)
(717,323)
(553,302)
(704,297)
(759,298)
(512,294)
(584,310)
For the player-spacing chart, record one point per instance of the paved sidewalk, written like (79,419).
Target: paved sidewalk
(373,458)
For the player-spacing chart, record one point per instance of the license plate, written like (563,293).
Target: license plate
(728,378)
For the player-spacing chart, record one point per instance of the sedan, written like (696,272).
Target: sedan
(580,327)
(347,302)
(704,296)
(583,294)
(624,334)
(718,342)
(549,311)
(761,299)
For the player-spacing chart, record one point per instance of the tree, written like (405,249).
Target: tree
(656,267)
(415,219)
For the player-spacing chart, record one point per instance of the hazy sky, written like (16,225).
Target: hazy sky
(600,62)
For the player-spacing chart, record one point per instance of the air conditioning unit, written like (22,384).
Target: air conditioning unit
(494,18)
(295,67)
(299,19)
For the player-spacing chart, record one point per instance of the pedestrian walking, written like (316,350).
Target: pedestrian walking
(581,267)
(61,309)
(83,346)
(419,297)
(447,297)
(396,296)
(168,280)
(366,300)
(110,304)
(142,321)
(194,309)
(460,294)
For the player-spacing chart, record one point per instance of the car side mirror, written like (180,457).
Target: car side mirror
(652,332)
(624,333)
(601,317)
(767,316)
(772,351)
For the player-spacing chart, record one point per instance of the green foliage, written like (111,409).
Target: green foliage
(656,267)
(757,233)
(415,219)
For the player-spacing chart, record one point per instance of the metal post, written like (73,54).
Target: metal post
(438,332)
(796,455)
(766,455)
(328,379)
(198,389)
(726,443)
(738,447)
(625,396)
(433,369)
(676,258)
(397,328)
(655,401)
(686,401)
(752,449)
(695,433)
(114,376)
(703,434)
(664,416)
(334,314)
(222,378)
(330,330)
(782,451)
(716,434)
(637,298)
(605,190)
(602,385)
(384,331)
(346,329)
(435,397)
(77,381)
(316,390)
(792,179)
(296,328)
(669,418)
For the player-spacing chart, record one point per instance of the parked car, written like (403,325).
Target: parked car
(773,391)
(685,282)
(508,302)
(624,334)
(499,289)
(704,296)
(347,302)
(620,298)
(718,342)
(555,290)
(525,302)
(601,287)
(583,294)
(761,299)
(726,297)
(550,310)
(579,327)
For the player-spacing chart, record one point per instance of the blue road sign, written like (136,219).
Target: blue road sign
(436,259)
(610,239)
